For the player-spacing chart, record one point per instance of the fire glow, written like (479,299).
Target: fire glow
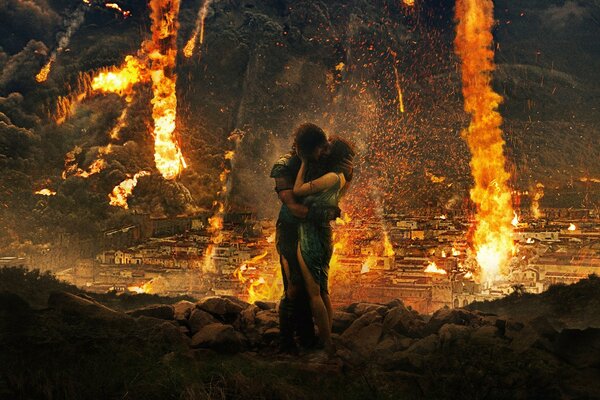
(492,238)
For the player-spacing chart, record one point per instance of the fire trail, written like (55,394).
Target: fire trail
(492,238)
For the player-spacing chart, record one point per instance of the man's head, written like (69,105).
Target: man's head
(310,141)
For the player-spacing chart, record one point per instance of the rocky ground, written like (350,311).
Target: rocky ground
(221,347)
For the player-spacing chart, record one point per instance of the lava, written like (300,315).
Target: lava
(188,50)
(492,238)
(123,190)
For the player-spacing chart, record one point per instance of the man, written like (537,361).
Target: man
(294,309)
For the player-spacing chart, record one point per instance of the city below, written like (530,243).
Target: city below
(423,258)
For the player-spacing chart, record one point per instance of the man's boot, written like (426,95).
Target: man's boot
(287,344)
(304,325)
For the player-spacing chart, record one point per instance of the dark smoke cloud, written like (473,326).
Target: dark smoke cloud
(19,70)
(25,20)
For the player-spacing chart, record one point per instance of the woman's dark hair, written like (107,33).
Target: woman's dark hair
(307,138)
(340,157)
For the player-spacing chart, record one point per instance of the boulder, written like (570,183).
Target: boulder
(270,335)
(267,319)
(580,348)
(220,305)
(486,335)
(183,309)
(447,315)
(266,305)
(199,319)
(342,320)
(452,334)
(405,361)
(160,311)
(71,304)
(361,322)
(394,303)
(400,319)
(537,333)
(363,308)
(426,346)
(364,333)
(219,337)
(248,317)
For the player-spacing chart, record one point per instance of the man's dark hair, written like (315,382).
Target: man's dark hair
(307,138)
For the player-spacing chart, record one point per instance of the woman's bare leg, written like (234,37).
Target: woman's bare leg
(316,302)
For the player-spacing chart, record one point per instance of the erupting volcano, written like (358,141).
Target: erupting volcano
(492,238)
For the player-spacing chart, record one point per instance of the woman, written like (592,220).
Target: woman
(315,246)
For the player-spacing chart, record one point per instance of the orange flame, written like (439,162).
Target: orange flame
(387,245)
(46,192)
(162,52)
(115,6)
(432,268)
(409,3)
(492,239)
(538,194)
(515,220)
(265,286)
(120,80)
(43,74)
(123,190)
(572,227)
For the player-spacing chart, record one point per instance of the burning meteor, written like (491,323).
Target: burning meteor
(154,64)
(123,190)
(492,238)
(397,82)
(188,50)
(399,90)
(71,23)
(115,6)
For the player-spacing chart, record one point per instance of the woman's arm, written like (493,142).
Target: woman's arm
(302,188)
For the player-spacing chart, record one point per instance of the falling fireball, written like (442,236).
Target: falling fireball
(492,238)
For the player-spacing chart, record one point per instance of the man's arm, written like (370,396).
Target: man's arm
(287,197)
(297,209)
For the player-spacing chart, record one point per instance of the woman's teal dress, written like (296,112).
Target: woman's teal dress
(316,240)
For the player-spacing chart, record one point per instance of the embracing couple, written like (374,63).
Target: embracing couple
(309,180)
